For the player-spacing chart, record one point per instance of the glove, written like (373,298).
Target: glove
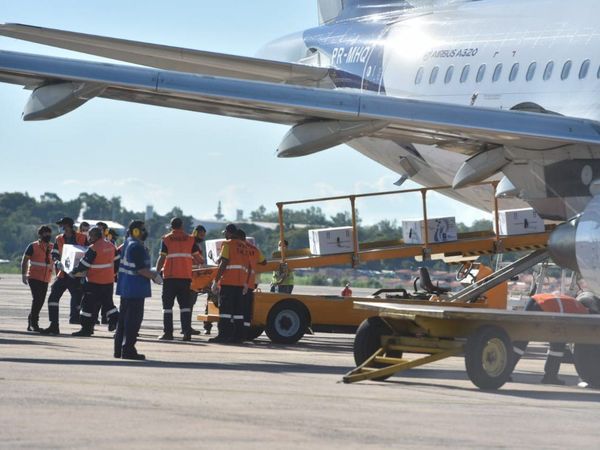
(59,266)
(25,280)
(214,287)
(157,279)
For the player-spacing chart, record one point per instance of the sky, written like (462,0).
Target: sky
(165,158)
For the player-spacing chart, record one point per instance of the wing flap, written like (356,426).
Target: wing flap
(172,58)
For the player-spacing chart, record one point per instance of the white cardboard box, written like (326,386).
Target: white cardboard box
(331,241)
(440,229)
(71,255)
(520,221)
(213,250)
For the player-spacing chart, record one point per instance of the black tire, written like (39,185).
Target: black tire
(287,322)
(489,357)
(253,333)
(587,363)
(368,340)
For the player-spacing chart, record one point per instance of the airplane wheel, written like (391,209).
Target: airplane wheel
(287,322)
(587,363)
(368,340)
(488,357)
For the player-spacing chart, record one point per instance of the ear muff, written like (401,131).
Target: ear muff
(106,233)
(136,233)
(195,233)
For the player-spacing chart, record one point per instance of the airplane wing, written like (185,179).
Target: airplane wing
(325,117)
(173,58)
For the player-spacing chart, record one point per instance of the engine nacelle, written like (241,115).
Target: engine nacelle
(576,245)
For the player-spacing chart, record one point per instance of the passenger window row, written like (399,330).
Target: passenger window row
(512,76)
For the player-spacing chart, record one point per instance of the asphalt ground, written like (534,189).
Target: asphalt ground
(66,392)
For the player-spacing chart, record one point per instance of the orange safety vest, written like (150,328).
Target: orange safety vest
(254,255)
(80,239)
(102,270)
(236,272)
(560,304)
(40,263)
(179,260)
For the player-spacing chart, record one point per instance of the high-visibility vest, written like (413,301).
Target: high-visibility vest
(560,304)
(80,239)
(256,257)
(236,272)
(102,270)
(130,284)
(179,260)
(40,263)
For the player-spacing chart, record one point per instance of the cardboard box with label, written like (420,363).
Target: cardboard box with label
(213,250)
(331,241)
(441,229)
(71,255)
(513,222)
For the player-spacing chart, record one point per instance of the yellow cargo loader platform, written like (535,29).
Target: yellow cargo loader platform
(484,336)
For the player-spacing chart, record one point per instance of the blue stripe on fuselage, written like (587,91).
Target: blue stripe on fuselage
(356,52)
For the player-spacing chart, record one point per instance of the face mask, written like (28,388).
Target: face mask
(46,238)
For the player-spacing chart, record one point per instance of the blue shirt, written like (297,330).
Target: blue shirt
(134,257)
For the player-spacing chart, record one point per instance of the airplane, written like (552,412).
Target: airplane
(443,92)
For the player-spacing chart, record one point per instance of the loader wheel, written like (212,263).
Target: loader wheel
(287,322)
(488,357)
(254,332)
(587,363)
(368,340)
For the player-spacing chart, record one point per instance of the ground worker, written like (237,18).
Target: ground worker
(98,265)
(64,282)
(36,270)
(256,258)
(556,352)
(84,227)
(179,251)
(231,283)
(111,236)
(283,279)
(133,286)
(199,235)
(347,292)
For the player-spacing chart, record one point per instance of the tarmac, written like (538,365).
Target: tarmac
(66,392)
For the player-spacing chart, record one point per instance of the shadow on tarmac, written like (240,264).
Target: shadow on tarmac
(274,367)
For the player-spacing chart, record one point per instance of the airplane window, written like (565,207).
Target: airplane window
(419,76)
(465,73)
(566,70)
(514,72)
(497,73)
(531,71)
(585,67)
(548,70)
(480,73)
(449,74)
(434,74)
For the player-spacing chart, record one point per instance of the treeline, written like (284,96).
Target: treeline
(21,214)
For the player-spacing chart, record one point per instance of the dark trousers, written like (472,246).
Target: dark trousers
(555,353)
(95,296)
(131,315)
(176,288)
(231,313)
(73,285)
(38,292)
(247,306)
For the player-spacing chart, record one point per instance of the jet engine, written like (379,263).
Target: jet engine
(576,245)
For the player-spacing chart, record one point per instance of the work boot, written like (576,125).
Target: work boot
(549,379)
(192,332)
(75,321)
(220,340)
(32,324)
(187,337)
(117,354)
(85,331)
(52,329)
(166,337)
(112,325)
(134,356)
